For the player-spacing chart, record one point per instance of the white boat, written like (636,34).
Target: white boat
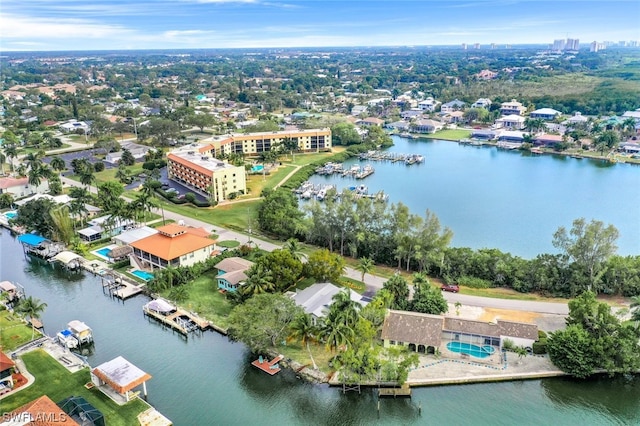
(362,189)
(66,339)
(80,331)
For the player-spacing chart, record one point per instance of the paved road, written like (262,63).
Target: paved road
(373,282)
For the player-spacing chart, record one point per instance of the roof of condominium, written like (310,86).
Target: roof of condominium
(194,160)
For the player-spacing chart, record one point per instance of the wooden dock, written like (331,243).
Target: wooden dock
(402,392)
(127,290)
(269,367)
(179,320)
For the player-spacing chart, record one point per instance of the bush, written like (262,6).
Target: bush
(98,167)
(540,347)
(508,345)
(120,264)
(542,334)
(474,282)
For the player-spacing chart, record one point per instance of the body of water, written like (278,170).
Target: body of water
(508,200)
(207,380)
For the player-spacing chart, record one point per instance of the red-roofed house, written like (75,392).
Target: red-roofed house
(39,412)
(20,187)
(174,245)
(6,368)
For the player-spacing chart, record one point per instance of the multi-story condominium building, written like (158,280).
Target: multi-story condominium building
(205,174)
(513,107)
(255,143)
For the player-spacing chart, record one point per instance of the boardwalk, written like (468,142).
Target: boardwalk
(179,320)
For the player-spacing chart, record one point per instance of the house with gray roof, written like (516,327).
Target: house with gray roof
(231,273)
(316,299)
(454,105)
(425,333)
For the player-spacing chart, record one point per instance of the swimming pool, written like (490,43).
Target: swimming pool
(104,251)
(257,168)
(142,274)
(470,349)
(10,215)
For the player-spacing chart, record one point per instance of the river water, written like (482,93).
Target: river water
(508,200)
(207,380)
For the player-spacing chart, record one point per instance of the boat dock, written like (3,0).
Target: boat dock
(402,392)
(270,367)
(320,192)
(394,157)
(174,317)
(118,285)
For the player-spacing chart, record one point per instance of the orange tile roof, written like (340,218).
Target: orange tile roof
(44,412)
(189,164)
(168,248)
(5,362)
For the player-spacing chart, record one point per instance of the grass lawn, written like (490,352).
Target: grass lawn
(229,244)
(450,134)
(237,216)
(13,332)
(295,350)
(354,285)
(257,182)
(55,381)
(304,159)
(205,300)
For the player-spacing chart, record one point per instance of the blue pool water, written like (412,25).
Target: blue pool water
(103,251)
(257,168)
(470,349)
(142,274)
(11,215)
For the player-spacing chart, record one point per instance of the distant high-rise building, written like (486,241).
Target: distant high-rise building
(633,43)
(464,46)
(558,45)
(493,46)
(476,45)
(622,43)
(597,46)
(572,44)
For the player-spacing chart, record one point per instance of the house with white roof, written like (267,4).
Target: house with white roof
(545,113)
(482,103)
(513,121)
(512,108)
(428,104)
(316,299)
(73,126)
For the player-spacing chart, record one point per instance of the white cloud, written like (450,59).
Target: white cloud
(17,27)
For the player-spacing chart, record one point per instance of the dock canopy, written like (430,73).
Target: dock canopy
(160,305)
(120,375)
(7,286)
(31,239)
(66,257)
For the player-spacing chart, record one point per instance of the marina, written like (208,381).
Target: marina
(319,192)
(393,157)
(355,171)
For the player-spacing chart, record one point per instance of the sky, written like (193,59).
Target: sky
(51,25)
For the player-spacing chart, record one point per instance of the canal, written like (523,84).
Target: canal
(207,380)
(508,200)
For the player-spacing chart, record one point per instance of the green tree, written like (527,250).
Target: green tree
(127,158)
(635,308)
(278,214)
(31,308)
(304,330)
(365,266)
(63,228)
(285,269)
(263,321)
(428,300)
(345,134)
(293,246)
(398,287)
(589,245)
(324,266)
(259,281)
(58,164)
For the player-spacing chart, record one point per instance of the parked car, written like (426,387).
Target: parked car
(453,288)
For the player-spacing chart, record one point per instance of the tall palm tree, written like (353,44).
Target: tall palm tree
(58,164)
(336,334)
(365,266)
(303,329)
(3,158)
(35,176)
(32,308)
(11,151)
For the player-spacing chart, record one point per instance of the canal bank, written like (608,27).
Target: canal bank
(208,380)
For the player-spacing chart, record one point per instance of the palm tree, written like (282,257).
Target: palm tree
(259,280)
(35,176)
(58,164)
(293,246)
(32,308)
(11,151)
(336,334)
(303,329)
(365,265)
(3,158)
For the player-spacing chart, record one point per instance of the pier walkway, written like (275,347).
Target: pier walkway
(180,320)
